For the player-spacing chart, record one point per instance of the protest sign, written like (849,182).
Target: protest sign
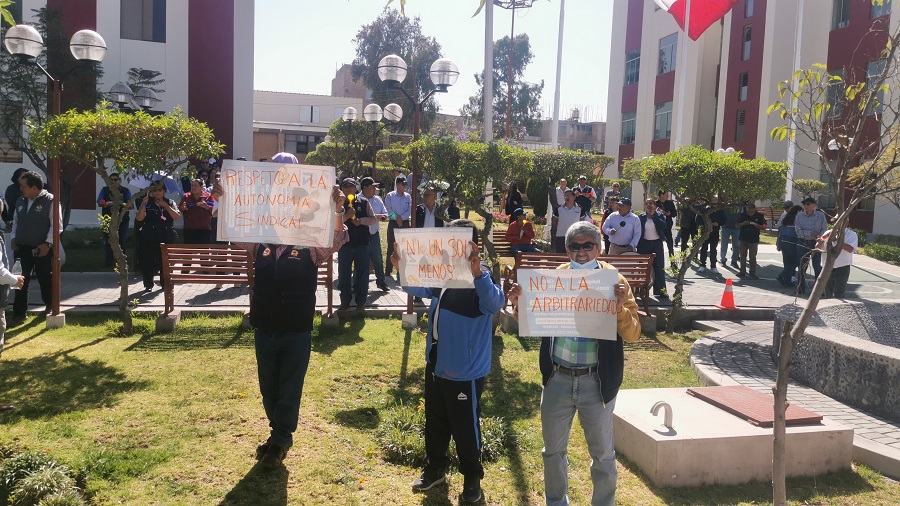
(568,303)
(435,257)
(276,204)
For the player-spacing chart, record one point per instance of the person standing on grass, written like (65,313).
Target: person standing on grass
(750,222)
(840,273)
(583,375)
(457,359)
(282,310)
(7,279)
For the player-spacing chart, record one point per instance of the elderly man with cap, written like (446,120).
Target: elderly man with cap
(353,257)
(584,195)
(369,190)
(613,192)
(624,229)
(810,225)
(399,208)
(520,234)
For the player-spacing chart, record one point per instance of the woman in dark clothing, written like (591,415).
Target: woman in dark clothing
(788,244)
(513,200)
(453,210)
(13,192)
(157,215)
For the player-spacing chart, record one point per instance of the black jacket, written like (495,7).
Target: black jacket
(284,289)
(420,217)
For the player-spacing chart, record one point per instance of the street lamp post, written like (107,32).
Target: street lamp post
(349,117)
(86,45)
(373,113)
(392,70)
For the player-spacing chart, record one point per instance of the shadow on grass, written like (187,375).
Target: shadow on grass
(437,496)
(214,338)
(49,385)
(13,333)
(326,340)
(359,418)
(808,490)
(260,487)
(646,343)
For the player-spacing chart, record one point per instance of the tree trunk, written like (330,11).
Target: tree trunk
(678,295)
(785,348)
(115,219)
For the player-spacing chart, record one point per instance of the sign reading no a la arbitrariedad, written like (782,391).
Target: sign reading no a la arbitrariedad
(276,204)
(568,303)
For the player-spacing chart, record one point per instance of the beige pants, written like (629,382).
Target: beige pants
(615,249)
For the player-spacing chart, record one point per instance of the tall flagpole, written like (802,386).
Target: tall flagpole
(682,80)
(792,142)
(488,95)
(554,135)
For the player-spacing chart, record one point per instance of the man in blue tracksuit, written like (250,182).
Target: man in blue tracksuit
(458,357)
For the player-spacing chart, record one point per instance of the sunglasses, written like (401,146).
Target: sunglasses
(576,246)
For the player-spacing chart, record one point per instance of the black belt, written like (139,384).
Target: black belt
(574,372)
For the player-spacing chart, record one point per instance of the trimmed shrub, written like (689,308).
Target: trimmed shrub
(46,481)
(70,497)
(18,467)
(883,252)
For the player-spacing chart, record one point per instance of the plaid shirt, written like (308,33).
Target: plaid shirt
(575,352)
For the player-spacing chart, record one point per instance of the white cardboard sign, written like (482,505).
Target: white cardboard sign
(435,257)
(568,303)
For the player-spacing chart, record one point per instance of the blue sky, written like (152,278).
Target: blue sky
(300,43)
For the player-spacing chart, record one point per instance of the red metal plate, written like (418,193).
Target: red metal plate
(755,407)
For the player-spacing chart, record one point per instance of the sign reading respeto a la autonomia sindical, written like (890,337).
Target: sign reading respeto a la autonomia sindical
(276,204)
(435,257)
(568,303)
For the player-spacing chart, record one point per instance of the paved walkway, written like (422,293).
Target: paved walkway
(740,353)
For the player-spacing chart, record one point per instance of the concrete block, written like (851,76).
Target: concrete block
(507,322)
(707,445)
(649,323)
(167,322)
(409,321)
(331,321)
(56,321)
(245,321)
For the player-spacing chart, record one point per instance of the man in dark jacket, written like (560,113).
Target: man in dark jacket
(425,212)
(353,257)
(653,226)
(583,375)
(460,319)
(281,311)
(717,218)
(670,211)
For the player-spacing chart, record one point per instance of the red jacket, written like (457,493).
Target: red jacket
(516,235)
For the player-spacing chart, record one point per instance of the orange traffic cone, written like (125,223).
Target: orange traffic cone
(727,297)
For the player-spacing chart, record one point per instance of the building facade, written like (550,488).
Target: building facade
(203,49)
(714,92)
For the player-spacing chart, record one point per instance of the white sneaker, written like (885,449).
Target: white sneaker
(701,270)
(714,270)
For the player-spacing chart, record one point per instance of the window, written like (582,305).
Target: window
(881,10)
(9,152)
(628,124)
(748,8)
(143,20)
(835,94)
(668,47)
(301,143)
(562,129)
(632,66)
(663,121)
(840,14)
(866,204)
(873,72)
(745,51)
(743,79)
(739,125)
(309,114)
(338,113)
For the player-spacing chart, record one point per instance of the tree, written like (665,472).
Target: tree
(697,175)
(526,97)
(550,165)
(137,145)
(139,79)
(809,187)
(5,14)
(394,33)
(23,95)
(335,152)
(839,122)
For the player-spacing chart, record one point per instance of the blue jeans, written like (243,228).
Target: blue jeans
(353,261)
(281,362)
(376,258)
(790,256)
(561,398)
(528,248)
(729,236)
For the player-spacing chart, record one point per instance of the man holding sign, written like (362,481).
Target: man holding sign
(583,375)
(460,319)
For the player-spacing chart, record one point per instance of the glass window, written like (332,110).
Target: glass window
(840,14)
(739,125)
(748,8)
(632,66)
(301,143)
(143,20)
(745,51)
(663,121)
(668,47)
(873,72)
(743,79)
(562,129)
(836,94)
(9,152)
(628,124)
(309,114)
(881,10)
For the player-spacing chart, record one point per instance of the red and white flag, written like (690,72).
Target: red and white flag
(703,13)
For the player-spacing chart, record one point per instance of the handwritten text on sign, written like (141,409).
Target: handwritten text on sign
(435,257)
(568,303)
(276,204)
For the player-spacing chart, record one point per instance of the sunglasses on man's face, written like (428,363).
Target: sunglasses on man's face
(578,246)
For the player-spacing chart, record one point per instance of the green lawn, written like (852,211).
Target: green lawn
(175,419)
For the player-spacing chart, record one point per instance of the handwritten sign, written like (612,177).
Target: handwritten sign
(435,257)
(276,204)
(568,303)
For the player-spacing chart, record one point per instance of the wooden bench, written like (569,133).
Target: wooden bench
(771,214)
(219,264)
(501,245)
(636,269)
